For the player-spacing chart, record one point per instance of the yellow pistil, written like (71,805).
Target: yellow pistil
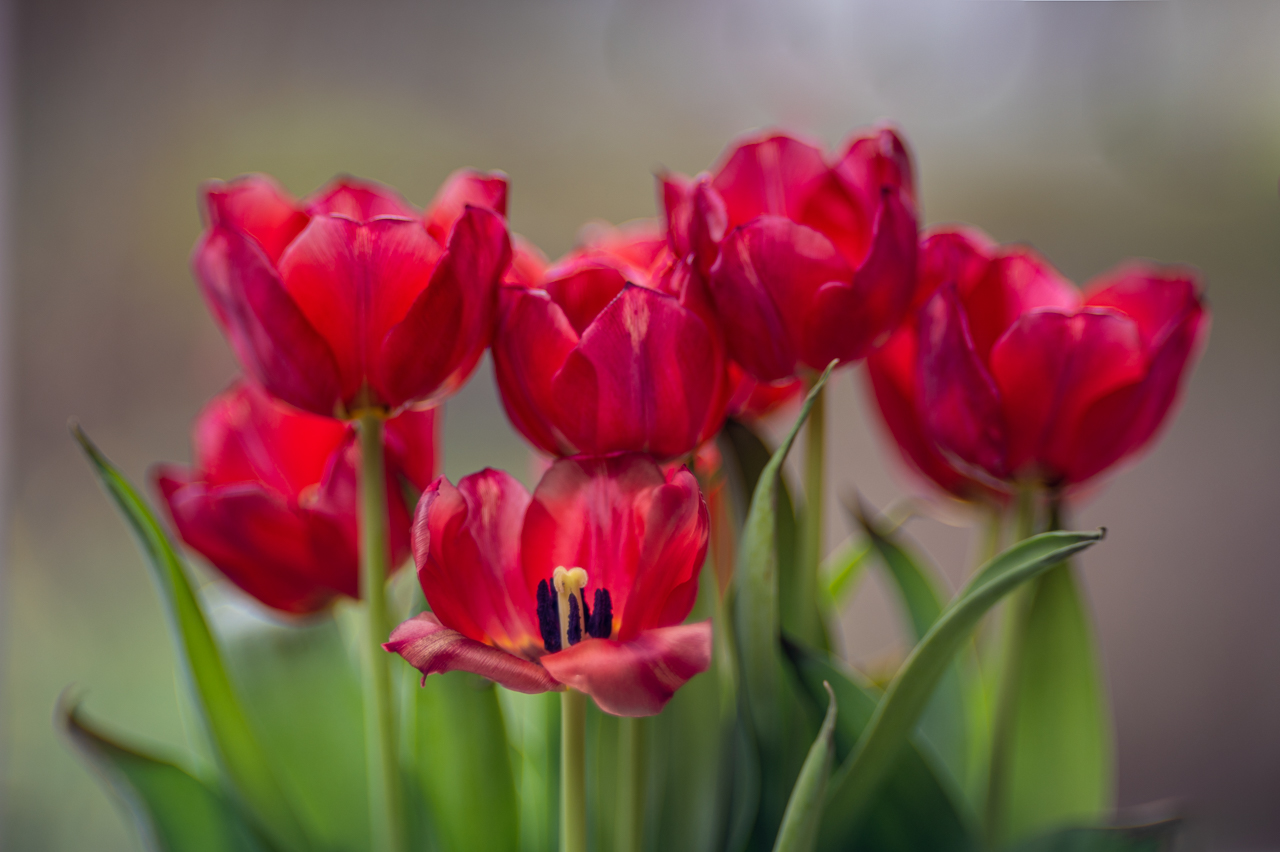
(567,582)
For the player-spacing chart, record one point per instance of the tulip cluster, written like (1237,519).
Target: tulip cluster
(354,315)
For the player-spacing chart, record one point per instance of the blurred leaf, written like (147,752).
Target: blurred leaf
(843,569)
(1146,838)
(767,700)
(174,811)
(237,747)
(301,692)
(463,764)
(944,722)
(1058,769)
(533,731)
(860,776)
(913,809)
(799,828)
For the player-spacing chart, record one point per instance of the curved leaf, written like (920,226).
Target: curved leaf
(799,828)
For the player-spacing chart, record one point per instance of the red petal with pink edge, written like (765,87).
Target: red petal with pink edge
(270,334)
(643,378)
(763,284)
(845,319)
(958,398)
(412,441)
(432,648)
(1050,367)
(259,544)
(531,344)
(257,206)
(891,374)
(358,200)
(583,290)
(466,543)
(1157,298)
(464,187)
(1016,281)
(638,533)
(769,175)
(433,350)
(638,677)
(1125,421)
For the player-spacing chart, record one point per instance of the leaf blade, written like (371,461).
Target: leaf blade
(799,830)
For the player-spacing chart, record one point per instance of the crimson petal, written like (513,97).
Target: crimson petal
(432,648)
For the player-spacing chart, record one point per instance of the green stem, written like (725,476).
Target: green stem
(573,781)
(386,805)
(808,617)
(1006,702)
(631,785)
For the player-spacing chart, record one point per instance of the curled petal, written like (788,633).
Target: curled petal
(432,648)
(271,335)
(637,677)
(432,351)
(487,190)
(959,400)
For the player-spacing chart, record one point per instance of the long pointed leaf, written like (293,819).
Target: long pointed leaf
(174,811)
(233,739)
(1155,837)
(897,713)
(799,828)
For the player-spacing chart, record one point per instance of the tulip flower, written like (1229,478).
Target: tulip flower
(271,499)
(808,260)
(1021,377)
(612,349)
(352,299)
(584,584)
(752,400)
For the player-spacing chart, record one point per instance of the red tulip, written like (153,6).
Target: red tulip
(272,498)
(585,584)
(1021,377)
(612,349)
(752,400)
(353,299)
(807,260)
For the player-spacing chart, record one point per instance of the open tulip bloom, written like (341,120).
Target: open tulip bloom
(352,299)
(647,350)
(585,584)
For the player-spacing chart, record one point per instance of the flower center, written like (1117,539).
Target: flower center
(563,614)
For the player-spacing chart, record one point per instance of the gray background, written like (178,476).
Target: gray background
(1096,131)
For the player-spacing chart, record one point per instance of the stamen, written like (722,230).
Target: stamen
(600,622)
(548,618)
(569,583)
(575,621)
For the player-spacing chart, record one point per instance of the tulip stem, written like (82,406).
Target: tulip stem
(573,773)
(808,615)
(386,805)
(631,785)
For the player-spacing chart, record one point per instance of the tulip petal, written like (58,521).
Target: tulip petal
(640,534)
(463,188)
(638,677)
(466,543)
(1158,299)
(846,318)
(769,175)
(358,200)
(271,336)
(957,256)
(1017,280)
(413,442)
(959,400)
(257,206)
(253,538)
(432,648)
(531,344)
(643,377)
(583,291)
(433,350)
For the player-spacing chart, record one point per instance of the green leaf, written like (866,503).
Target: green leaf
(799,829)
(767,700)
(234,742)
(858,779)
(533,732)
(1058,769)
(300,688)
(1144,838)
(914,809)
(843,569)
(944,722)
(174,811)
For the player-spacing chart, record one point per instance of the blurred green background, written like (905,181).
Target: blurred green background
(1094,130)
